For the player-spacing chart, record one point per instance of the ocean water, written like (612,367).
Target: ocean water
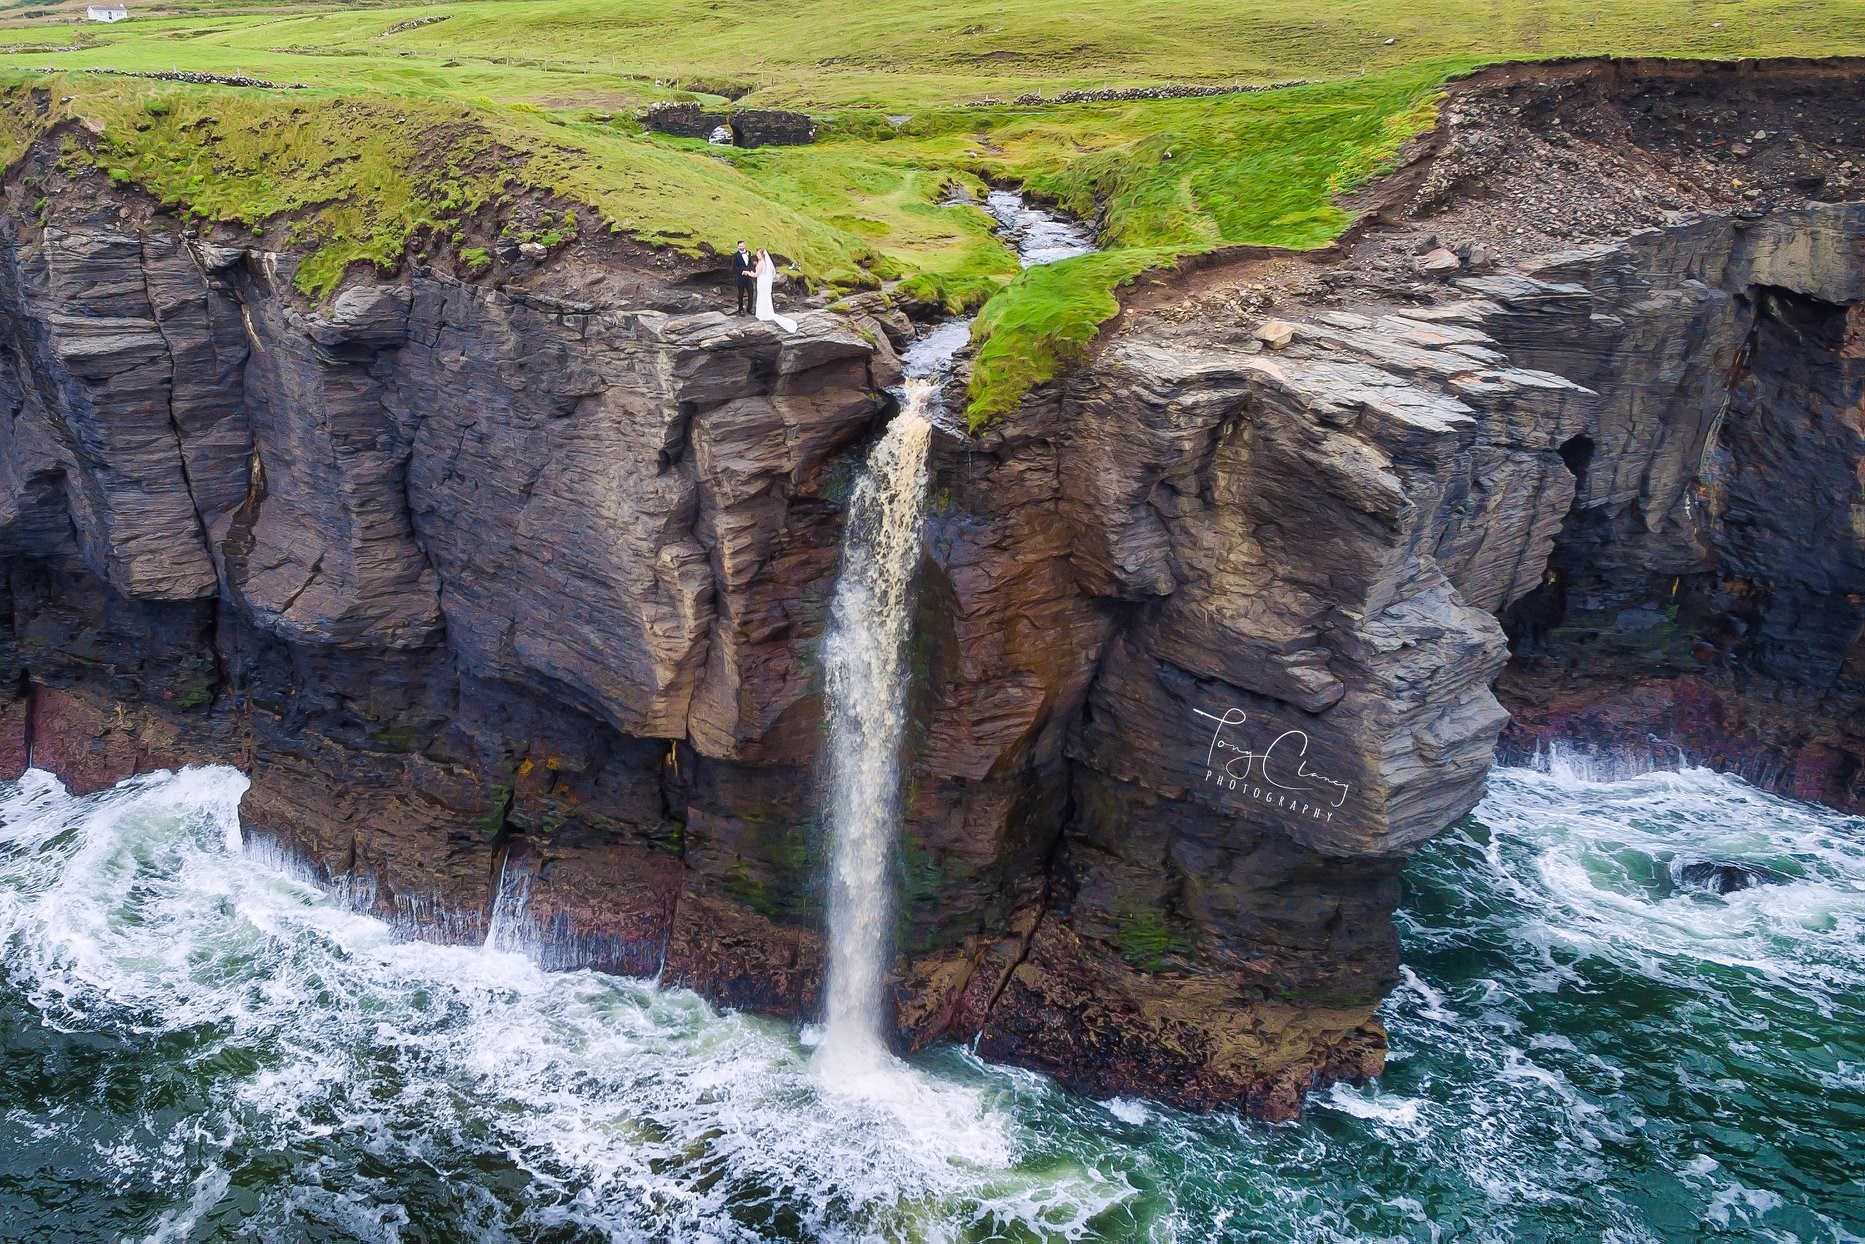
(195,1044)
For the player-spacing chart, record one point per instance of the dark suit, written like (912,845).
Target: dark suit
(744,275)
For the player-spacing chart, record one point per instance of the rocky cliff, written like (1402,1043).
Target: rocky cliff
(517,586)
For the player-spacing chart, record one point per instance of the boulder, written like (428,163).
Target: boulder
(1276,334)
(1726,877)
(1438,262)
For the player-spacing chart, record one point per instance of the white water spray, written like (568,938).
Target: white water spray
(404,1080)
(508,927)
(866,685)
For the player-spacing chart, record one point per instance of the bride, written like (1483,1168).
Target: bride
(767,272)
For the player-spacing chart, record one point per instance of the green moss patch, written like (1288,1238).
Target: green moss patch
(1180,177)
(1147,941)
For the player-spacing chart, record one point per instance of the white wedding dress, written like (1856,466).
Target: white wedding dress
(767,272)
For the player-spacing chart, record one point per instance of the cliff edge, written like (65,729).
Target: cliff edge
(518,587)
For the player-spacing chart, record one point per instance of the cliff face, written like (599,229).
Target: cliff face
(1704,596)
(1707,590)
(435,564)
(520,588)
(1321,538)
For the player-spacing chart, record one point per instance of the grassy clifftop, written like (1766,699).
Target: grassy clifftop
(415,118)
(899,54)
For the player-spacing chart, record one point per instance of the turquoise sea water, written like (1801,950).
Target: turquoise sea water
(195,1045)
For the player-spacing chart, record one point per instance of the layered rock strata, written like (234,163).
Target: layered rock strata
(521,587)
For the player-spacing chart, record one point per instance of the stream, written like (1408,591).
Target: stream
(1038,237)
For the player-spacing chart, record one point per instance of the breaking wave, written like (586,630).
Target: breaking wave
(195,1042)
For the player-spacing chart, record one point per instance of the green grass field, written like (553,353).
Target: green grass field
(408,133)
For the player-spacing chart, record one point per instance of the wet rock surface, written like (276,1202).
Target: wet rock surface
(522,585)
(1721,878)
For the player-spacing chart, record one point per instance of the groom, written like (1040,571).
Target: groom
(745,275)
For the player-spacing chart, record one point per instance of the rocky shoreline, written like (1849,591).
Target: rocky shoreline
(476,581)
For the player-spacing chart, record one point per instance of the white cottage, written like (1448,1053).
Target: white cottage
(105,13)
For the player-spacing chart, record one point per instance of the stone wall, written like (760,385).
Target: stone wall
(749,127)
(683,120)
(768,127)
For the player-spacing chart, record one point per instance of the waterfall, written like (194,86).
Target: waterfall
(866,675)
(866,681)
(508,925)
